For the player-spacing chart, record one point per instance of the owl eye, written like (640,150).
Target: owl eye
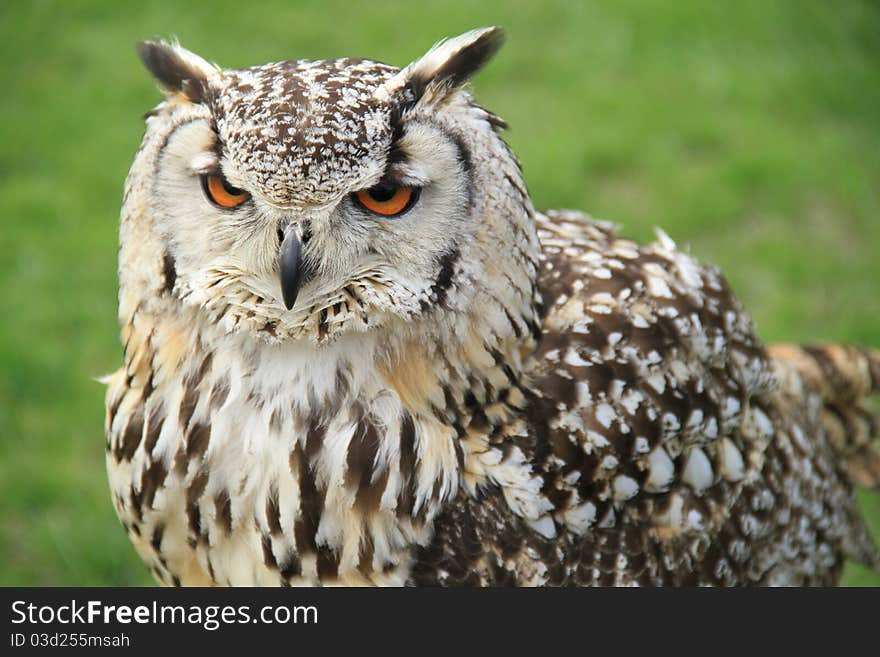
(387,201)
(221,193)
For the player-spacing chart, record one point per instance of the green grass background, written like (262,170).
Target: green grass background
(748,130)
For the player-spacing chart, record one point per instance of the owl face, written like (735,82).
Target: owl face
(309,198)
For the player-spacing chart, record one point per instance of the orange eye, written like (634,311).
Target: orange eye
(387,201)
(222,193)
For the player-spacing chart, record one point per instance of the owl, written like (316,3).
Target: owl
(355,354)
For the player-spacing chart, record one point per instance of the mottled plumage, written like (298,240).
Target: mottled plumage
(465,392)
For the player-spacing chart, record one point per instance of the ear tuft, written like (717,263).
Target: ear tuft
(448,65)
(177,70)
(452,62)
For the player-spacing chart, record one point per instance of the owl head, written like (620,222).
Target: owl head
(301,200)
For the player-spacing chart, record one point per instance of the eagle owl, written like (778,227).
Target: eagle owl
(354,353)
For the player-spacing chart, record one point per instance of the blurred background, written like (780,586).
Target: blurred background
(749,131)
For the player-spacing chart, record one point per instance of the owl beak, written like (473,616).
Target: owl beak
(290,264)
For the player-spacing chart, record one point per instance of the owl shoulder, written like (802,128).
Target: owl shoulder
(650,401)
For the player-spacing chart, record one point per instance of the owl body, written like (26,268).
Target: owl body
(355,354)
